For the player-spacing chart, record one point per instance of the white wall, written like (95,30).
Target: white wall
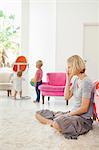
(25,42)
(55,30)
(70,17)
(42,35)
(25,27)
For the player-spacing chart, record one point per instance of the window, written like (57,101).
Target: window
(10,22)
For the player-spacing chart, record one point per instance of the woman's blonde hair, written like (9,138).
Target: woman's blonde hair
(40,62)
(77,64)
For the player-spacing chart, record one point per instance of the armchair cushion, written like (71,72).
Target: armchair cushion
(56,79)
(50,88)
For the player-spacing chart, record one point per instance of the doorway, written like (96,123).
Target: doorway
(91,49)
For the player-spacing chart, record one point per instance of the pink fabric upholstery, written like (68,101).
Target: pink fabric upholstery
(55,84)
(96,98)
(56,79)
(51,88)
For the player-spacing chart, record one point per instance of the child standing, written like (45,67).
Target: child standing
(17,84)
(38,79)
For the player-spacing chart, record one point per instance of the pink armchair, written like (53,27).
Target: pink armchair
(54,86)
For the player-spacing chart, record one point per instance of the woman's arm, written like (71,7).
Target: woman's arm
(83,108)
(68,91)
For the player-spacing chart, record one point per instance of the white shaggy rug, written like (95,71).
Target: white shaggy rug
(19,130)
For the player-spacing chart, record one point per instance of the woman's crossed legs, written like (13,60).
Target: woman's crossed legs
(44,120)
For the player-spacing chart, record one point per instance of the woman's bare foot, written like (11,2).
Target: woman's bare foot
(42,119)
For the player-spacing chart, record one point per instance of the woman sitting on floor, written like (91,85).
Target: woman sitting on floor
(77,121)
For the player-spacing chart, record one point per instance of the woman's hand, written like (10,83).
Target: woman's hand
(68,91)
(68,76)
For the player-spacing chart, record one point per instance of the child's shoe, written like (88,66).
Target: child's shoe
(34,101)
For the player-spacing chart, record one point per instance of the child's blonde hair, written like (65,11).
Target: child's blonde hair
(39,62)
(77,64)
(19,73)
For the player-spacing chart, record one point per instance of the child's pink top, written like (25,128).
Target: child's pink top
(39,75)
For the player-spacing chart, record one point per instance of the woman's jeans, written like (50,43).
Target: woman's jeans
(38,91)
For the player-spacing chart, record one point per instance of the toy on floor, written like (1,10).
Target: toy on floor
(32,82)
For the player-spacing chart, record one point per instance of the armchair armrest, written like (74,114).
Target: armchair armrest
(45,83)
